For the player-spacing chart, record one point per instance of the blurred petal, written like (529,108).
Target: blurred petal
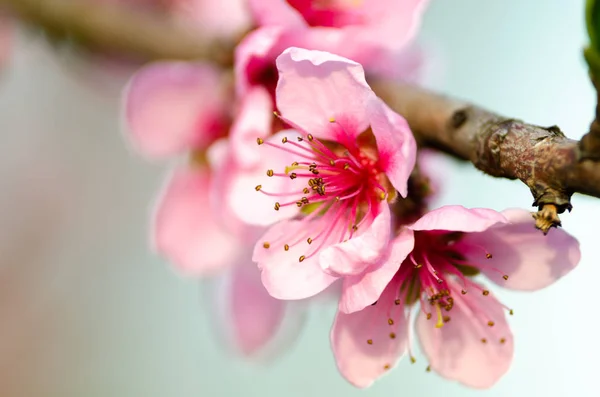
(520,251)
(256,315)
(174,107)
(186,230)
(5,38)
(275,12)
(466,348)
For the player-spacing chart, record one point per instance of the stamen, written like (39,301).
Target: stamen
(266,245)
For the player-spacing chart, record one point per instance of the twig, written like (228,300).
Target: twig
(118,29)
(541,157)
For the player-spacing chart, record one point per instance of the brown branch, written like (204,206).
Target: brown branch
(117,29)
(541,157)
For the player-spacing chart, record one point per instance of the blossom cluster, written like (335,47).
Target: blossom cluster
(296,179)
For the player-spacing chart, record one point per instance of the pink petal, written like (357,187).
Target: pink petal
(174,107)
(275,12)
(255,53)
(530,259)
(395,143)
(224,18)
(352,257)
(253,121)
(328,87)
(457,218)
(358,361)
(185,230)
(283,275)
(256,315)
(456,350)
(361,291)
(239,184)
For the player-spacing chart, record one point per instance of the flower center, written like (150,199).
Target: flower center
(340,188)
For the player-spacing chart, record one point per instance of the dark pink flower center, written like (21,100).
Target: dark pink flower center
(329,13)
(339,190)
(423,277)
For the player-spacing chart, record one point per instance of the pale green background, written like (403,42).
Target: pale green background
(86,310)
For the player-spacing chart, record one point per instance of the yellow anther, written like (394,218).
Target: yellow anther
(370,341)
(331,163)
(413,360)
(284,139)
(258,187)
(386,367)
(464,291)
(390,321)
(483,340)
(392,335)
(397,302)
(302,258)
(277,206)
(266,245)
(270,172)
(505,277)
(428,369)
(485,292)
(490,323)
(502,340)
(286,247)
(260,141)
(511,312)
(310,137)
(332,120)
(488,255)
(309,240)
(428,316)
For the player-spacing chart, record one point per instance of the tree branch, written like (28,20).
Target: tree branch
(118,29)
(541,157)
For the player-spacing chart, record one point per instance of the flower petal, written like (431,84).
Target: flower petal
(457,218)
(173,107)
(329,87)
(395,143)
(275,12)
(253,121)
(352,257)
(283,275)
(359,361)
(466,348)
(238,185)
(256,315)
(185,230)
(361,291)
(520,251)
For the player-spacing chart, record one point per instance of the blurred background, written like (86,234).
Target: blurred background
(87,310)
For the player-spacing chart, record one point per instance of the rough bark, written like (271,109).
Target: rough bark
(549,163)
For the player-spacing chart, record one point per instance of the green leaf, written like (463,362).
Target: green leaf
(592,20)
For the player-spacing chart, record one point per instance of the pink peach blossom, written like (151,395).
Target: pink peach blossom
(362,30)
(337,222)
(462,328)
(181,109)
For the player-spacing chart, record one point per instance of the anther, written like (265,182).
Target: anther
(258,187)
(464,291)
(390,321)
(488,255)
(286,247)
(428,369)
(511,312)
(293,175)
(446,319)
(269,172)
(374,303)
(260,141)
(309,240)
(381,196)
(277,206)
(284,139)
(310,137)
(428,316)
(485,292)
(299,204)
(505,277)
(483,340)
(413,360)
(331,163)
(346,166)
(397,302)
(440,281)
(490,323)
(354,227)
(295,164)
(302,258)
(392,335)
(370,341)
(332,120)
(306,190)
(266,245)
(300,139)
(502,340)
